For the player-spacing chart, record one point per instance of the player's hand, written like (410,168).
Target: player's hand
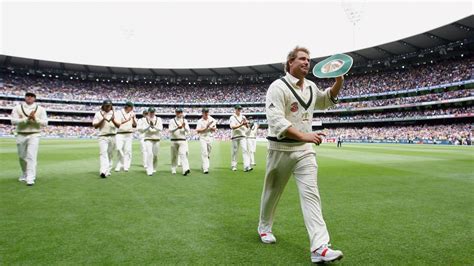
(32,116)
(313,137)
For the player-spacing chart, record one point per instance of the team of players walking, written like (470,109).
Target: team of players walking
(116,134)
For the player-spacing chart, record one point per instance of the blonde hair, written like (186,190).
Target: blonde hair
(292,56)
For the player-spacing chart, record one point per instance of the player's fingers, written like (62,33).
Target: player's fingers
(322,134)
(317,139)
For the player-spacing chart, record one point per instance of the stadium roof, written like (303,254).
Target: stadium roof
(439,40)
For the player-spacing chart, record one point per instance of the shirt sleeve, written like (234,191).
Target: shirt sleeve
(275,109)
(97,119)
(324,100)
(160,124)
(233,122)
(42,118)
(16,119)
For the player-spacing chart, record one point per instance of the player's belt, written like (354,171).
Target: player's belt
(123,132)
(27,133)
(177,139)
(153,139)
(287,140)
(238,137)
(107,135)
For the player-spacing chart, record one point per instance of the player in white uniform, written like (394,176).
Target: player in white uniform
(28,118)
(124,137)
(205,127)
(239,126)
(179,128)
(151,130)
(290,103)
(105,122)
(140,124)
(252,141)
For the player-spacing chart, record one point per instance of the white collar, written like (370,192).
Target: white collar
(293,80)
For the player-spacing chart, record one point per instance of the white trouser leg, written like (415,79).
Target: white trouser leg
(252,146)
(174,154)
(143,149)
(27,146)
(156,150)
(31,157)
(245,153)
(21,144)
(205,154)
(119,143)
(152,149)
(183,154)
(127,151)
(280,165)
(110,151)
(278,171)
(106,148)
(235,150)
(306,173)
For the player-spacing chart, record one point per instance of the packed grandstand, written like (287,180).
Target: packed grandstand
(426,96)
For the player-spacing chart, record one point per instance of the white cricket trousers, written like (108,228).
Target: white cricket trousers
(27,145)
(302,164)
(242,143)
(206,148)
(252,148)
(123,144)
(106,153)
(143,150)
(179,148)
(152,149)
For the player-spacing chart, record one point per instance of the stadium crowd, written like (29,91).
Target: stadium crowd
(408,78)
(260,109)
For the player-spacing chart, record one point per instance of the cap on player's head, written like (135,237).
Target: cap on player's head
(30,94)
(238,107)
(106,102)
(151,110)
(178,110)
(128,104)
(145,112)
(205,110)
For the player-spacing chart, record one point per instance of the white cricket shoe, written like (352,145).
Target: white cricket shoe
(30,183)
(234,168)
(325,254)
(22,179)
(173,171)
(268,238)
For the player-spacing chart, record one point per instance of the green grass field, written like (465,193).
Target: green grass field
(384,204)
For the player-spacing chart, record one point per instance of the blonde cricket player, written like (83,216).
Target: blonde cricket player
(151,130)
(290,102)
(179,128)
(252,141)
(104,121)
(239,126)
(28,117)
(205,127)
(140,124)
(123,139)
